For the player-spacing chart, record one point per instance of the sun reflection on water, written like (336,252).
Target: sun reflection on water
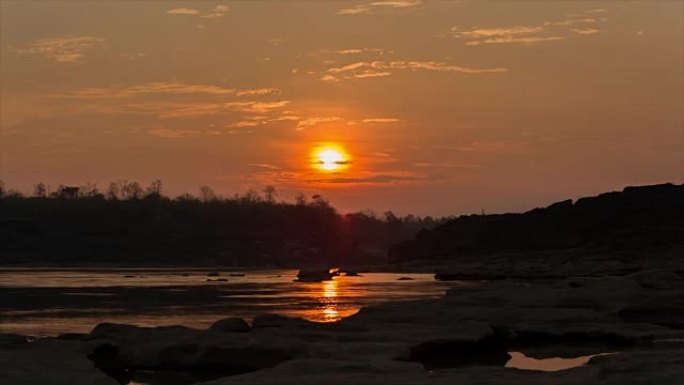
(329,296)
(332,306)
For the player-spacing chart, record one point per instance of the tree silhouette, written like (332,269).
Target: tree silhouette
(207,194)
(40,190)
(270,194)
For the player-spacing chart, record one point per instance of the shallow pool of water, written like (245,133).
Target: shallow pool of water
(553,364)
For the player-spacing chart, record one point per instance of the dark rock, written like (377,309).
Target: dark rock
(315,275)
(275,321)
(613,233)
(658,279)
(8,340)
(230,325)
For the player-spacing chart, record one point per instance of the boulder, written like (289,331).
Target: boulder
(230,325)
(49,362)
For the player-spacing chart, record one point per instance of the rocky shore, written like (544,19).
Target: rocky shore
(466,337)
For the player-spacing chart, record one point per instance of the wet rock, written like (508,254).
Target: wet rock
(658,279)
(230,325)
(449,353)
(117,348)
(333,372)
(315,275)
(13,340)
(49,362)
(276,321)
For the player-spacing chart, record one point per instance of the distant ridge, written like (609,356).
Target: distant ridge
(634,220)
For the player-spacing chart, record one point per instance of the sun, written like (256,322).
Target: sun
(329,158)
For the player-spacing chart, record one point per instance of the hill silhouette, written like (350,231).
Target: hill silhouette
(637,220)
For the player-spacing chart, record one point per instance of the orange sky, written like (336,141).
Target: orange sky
(444,107)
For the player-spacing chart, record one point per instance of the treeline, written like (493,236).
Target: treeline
(130,224)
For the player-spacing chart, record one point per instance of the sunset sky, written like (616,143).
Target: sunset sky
(438,107)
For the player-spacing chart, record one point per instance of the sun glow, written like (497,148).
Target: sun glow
(330,158)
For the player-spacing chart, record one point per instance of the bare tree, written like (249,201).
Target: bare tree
(251,196)
(155,188)
(270,194)
(207,194)
(40,190)
(89,190)
(68,192)
(2,189)
(113,191)
(131,190)
(300,199)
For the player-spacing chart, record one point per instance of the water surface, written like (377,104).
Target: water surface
(50,302)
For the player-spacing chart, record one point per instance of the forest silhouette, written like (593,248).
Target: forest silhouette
(131,225)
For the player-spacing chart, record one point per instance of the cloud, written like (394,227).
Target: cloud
(571,22)
(166,133)
(548,31)
(372,74)
(360,70)
(183,11)
(586,31)
(266,166)
(516,40)
(308,122)
(257,106)
(380,120)
(597,10)
(484,32)
(370,178)
(160,88)
(445,165)
(64,49)
(164,110)
(218,11)
(355,51)
(367,9)
(357,10)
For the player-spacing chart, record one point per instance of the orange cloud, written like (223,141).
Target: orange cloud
(166,88)
(64,49)
(371,69)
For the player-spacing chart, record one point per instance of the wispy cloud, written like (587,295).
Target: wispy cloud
(379,178)
(356,51)
(369,69)
(266,166)
(64,49)
(257,106)
(517,40)
(586,31)
(301,121)
(380,120)
(308,122)
(369,8)
(183,11)
(167,133)
(218,11)
(597,10)
(160,88)
(548,31)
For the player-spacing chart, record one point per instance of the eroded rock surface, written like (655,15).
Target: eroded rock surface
(463,338)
